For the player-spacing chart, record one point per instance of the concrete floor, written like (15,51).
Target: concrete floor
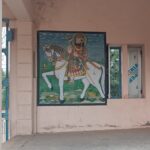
(135,139)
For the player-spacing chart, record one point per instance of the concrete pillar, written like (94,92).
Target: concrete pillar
(21,69)
(0,71)
(24,77)
(124,71)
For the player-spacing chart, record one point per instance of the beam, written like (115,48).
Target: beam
(22,10)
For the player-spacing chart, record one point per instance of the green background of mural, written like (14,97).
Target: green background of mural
(72,90)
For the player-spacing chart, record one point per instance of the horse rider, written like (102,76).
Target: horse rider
(77,56)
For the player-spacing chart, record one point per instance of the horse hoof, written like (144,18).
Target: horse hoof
(81,99)
(62,101)
(103,100)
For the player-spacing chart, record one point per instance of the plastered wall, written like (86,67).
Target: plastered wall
(125,22)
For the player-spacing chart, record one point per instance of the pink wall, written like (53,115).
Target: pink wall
(125,22)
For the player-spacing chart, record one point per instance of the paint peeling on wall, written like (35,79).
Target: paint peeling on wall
(45,10)
(67,126)
(146,124)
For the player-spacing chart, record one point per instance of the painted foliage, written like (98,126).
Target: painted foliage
(71,68)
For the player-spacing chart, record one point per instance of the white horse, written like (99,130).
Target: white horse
(95,73)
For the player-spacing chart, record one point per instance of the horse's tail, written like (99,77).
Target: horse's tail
(102,79)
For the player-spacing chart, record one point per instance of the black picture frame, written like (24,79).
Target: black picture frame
(106,68)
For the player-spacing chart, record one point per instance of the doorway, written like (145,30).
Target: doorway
(5,79)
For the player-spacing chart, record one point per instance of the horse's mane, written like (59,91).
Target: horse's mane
(58,49)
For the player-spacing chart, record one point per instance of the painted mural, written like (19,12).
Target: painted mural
(71,68)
